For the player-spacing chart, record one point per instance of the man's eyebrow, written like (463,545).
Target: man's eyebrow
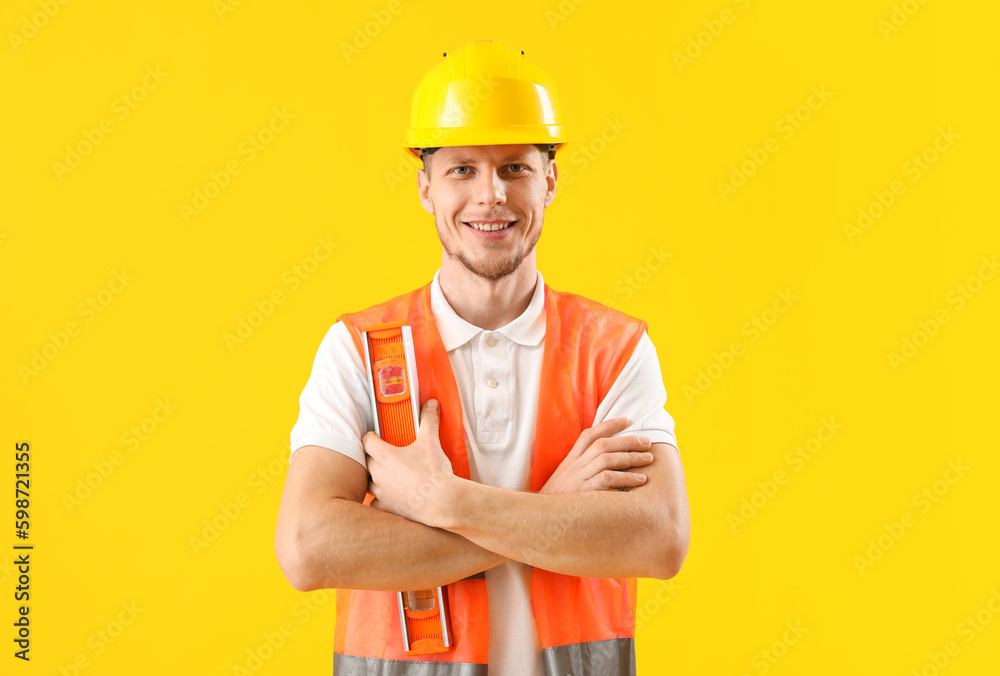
(509,158)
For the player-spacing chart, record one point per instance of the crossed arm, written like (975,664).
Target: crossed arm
(640,533)
(428,528)
(327,539)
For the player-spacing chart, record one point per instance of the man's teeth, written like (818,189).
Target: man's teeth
(489,227)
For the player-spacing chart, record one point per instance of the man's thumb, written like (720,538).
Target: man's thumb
(430,414)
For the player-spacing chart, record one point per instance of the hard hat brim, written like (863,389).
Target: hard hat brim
(467,136)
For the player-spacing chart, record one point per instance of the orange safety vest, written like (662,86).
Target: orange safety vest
(586,625)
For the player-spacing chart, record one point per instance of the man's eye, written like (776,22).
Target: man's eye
(517,165)
(457,168)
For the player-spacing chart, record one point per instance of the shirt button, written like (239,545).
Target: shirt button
(492,382)
(491,341)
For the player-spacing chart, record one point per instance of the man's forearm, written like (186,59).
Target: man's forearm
(591,534)
(355,546)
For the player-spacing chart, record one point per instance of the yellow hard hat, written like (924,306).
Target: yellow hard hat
(484,93)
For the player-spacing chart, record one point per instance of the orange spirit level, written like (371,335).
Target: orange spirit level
(395,394)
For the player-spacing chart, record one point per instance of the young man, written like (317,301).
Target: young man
(536,404)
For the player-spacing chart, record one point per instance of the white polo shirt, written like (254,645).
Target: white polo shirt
(498,375)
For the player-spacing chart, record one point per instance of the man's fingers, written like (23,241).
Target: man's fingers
(370,437)
(609,479)
(609,427)
(627,442)
(620,460)
(598,431)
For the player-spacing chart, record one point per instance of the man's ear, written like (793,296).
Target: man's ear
(550,181)
(423,189)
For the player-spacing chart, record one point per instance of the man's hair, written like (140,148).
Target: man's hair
(548,150)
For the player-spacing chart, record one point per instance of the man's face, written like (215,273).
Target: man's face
(493,185)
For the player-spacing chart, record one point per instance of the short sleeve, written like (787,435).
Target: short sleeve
(335,407)
(638,394)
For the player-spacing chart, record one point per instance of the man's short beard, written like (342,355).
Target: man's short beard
(493,269)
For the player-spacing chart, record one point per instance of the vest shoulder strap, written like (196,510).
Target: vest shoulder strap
(396,309)
(605,338)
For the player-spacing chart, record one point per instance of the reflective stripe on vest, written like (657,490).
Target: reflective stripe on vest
(614,657)
(351,665)
(586,347)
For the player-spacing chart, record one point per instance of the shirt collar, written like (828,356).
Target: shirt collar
(528,329)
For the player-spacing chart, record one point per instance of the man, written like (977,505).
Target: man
(535,405)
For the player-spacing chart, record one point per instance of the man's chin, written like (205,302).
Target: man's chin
(493,271)
(491,266)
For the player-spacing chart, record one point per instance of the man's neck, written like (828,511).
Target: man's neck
(486,303)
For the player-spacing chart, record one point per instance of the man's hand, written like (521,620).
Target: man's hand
(405,480)
(597,460)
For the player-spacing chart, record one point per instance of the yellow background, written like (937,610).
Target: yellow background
(895,74)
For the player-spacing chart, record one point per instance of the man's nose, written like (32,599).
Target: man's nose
(490,189)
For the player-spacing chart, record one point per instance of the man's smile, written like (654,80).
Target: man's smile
(490,229)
